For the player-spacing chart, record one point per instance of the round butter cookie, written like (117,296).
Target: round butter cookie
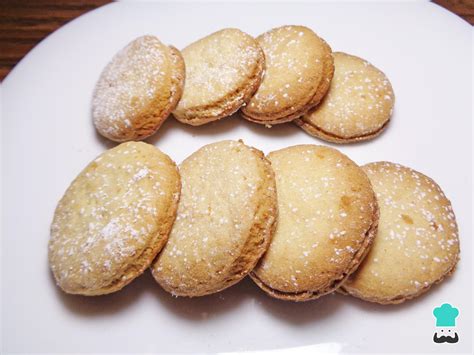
(417,241)
(327,220)
(357,107)
(299,69)
(226,217)
(137,90)
(113,219)
(223,70)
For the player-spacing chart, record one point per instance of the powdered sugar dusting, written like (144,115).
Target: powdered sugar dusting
(417,228)
(217,66)
(221,191)
(326,207)
(290,58)
(109,214)
(134,77)
(360,99)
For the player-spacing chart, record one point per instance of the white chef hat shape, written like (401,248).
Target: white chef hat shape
(446,315)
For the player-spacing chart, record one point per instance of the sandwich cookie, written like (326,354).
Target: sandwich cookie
(223,70)
(299,69)
(137,90)
(417,243)
(328,217)
(226,217)
(357,107)
(113,219)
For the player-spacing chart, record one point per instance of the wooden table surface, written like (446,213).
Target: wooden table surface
(24,23)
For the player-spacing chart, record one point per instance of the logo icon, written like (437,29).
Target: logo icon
(445,324)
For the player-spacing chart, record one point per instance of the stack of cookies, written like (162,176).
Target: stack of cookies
(288,74)
(302,221)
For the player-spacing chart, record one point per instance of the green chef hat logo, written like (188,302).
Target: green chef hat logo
(446,315)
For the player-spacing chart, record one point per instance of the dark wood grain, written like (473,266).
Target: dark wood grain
(463,8)
(23,24)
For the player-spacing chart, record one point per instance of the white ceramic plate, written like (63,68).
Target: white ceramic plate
(47,138)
